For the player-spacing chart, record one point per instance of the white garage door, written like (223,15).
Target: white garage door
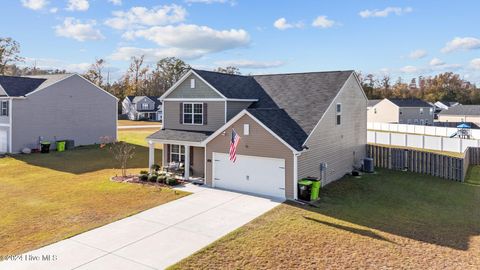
(3,141)
(257,175)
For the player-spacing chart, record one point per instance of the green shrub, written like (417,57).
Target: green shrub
(143,172)
(152,178)
(143,177)
(155,167)
(161,179)
(171,181)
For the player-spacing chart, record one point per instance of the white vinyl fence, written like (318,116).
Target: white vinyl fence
(421,141)
(417,129)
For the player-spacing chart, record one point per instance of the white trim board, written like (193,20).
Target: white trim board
(191,71)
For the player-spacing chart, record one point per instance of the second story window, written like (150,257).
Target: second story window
(3,108)
(339,114)
(193,113)
(144,106)
(192,83)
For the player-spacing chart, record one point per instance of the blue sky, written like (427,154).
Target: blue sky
(401,38)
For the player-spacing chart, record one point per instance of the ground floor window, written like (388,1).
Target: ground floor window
(177,153)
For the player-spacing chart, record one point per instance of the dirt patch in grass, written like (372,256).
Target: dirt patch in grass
(388,220)
(45,198)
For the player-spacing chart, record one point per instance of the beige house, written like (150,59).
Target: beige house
(461,113)
(401,111)
(290,126)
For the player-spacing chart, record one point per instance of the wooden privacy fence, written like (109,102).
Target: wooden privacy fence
(444,166)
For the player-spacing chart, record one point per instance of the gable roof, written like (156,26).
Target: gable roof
(16,86)
(462,110)
(373,102)
(135,99)
(278,121)
(409,102)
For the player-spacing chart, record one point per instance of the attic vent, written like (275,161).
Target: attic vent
(192,83)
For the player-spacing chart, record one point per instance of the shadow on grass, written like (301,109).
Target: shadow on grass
(419,207)
(361,232)
(87,159)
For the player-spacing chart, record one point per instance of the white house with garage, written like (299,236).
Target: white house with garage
(142,108)
(290,126)
(51,108)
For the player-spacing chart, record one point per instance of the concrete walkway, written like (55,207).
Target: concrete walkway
(144,126)
(153,239)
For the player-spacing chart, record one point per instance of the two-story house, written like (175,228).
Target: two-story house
(402,111)
(290,126)
(142,108)
(53,107)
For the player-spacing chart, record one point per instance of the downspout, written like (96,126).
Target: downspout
(10,116)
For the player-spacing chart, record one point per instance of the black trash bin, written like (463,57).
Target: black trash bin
(304,189)
(45,147)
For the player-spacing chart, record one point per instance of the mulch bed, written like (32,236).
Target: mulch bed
(135,179)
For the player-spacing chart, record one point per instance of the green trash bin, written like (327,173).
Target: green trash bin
(304,190)
(315,190)
(60,146)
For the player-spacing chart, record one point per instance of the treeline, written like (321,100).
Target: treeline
(446,86)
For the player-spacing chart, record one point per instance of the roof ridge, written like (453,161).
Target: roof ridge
(307,72)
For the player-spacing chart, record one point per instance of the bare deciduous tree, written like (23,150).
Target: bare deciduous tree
(9,53)
(122,152)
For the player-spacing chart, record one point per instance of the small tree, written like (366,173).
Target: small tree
(122,152)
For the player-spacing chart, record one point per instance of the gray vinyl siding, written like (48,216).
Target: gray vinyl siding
(407,113)
(70,109)
(340,146)
(215,116)
(151,104)
(4,119)
(234,107)
(201,90)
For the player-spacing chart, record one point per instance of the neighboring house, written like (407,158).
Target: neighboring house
(372,102)
(53,107)
(461,113)
(402,111)
(289,124)
(445,105)
(142,108)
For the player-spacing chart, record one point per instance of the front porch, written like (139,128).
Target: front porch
(182,149)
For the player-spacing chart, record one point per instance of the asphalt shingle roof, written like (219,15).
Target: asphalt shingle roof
(373,102)
(462,110)
(180,135)
(20,86)
(410,102)
(135,99)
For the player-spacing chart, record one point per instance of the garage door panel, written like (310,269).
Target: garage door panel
(258,175)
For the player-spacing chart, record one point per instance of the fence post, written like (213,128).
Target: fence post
(441,142)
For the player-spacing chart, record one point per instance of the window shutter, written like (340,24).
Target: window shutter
(205,113)
(167,150)
(191,155)
(181,112)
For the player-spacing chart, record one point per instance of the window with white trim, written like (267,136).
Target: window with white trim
(339,114)
(145,106)
(177,153)
(192,83)
(193,113)
(4,108)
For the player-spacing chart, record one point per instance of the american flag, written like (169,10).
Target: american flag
(233,146)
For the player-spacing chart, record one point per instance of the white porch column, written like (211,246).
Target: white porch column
(186,175)
(151,154)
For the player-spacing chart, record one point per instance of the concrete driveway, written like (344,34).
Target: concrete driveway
(153,239)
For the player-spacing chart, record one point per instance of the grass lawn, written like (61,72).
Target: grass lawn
(387,220)
(45,198)
(137,136)
(137,123)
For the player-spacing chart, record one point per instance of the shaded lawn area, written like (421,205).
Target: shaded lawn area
(387,220)
(137,123)
(45,198)
(137,136)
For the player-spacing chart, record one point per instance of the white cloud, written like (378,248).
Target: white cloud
(48,63)
(409,69)
(53,10)
(35,4)
(384,12)
(282,24)
(73,28)
(80,5)
(417,54)
(436,62)
(458,43)
(116,2)
(194,37)
(323,22)
(250,64)
(475,63)
(141,16)
(155,54)
(210,1)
